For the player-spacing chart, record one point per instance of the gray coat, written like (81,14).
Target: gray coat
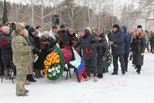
(138,46)
(102,51)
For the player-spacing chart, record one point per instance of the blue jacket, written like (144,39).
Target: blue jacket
(127,39)
(118,39)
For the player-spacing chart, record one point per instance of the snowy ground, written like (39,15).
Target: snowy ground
(131,88)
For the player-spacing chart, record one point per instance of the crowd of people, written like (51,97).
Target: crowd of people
(27,47)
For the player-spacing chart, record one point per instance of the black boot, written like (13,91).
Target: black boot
(138,71)
(30,78)
(115,73)
(123,72)
(100,75)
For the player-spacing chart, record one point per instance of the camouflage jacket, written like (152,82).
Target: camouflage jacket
(22,50)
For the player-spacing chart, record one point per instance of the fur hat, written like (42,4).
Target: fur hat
(116,26)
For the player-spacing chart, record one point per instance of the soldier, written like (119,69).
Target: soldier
(21,57)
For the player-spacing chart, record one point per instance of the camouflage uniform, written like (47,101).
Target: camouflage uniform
(21,58)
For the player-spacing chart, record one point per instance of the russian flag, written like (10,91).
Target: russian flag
(79,64)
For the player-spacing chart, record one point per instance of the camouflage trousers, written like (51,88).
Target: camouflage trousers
(21,78)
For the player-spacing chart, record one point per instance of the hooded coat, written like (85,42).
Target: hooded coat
(127,40)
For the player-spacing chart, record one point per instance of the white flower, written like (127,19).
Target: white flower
(56,68)
(54,74)
(49,70)
(53,69)
(50,75)
(58,71)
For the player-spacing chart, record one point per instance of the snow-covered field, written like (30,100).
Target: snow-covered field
(131,88)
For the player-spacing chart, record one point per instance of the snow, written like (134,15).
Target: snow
(131,88)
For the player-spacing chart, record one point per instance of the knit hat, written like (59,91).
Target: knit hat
(116,26)
(31,29)
(5,29)
(19,26)
(62,26)
(27,26)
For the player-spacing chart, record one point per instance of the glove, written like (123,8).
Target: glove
(89,51)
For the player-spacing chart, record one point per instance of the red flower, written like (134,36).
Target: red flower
(5,42)
(42,43)
(89,51)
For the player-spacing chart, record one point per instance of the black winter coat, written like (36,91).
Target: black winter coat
(6,49)
(63,35)
(102,48)
(89,42)
(152,40)
(50,43)
(138,46)
(35,41)
(118,39)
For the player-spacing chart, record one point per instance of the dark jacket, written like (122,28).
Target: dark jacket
(138,46)
(127,39)
(45,50)
(88,42)
(152,40)
(102,48)
(118,39)
(35,41)
(64,40)
(72,39)
(6,49)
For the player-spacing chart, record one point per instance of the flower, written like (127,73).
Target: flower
(58,71)
(49,70)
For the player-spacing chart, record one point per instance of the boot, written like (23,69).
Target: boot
(30,78)
(40,75)
(115,73)
(37,74)
(138,71)
(100,75)
(24,94)
(123,72)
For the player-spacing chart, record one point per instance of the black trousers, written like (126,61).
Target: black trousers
(126,60)
(115,63)
(92,63)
